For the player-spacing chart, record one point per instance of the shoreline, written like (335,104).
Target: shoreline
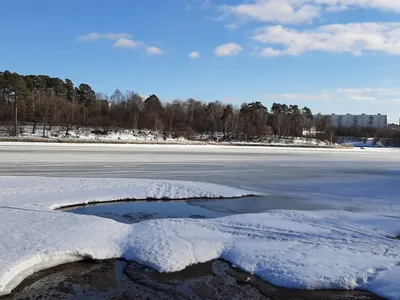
(190,143)
(149,199)
(116,278)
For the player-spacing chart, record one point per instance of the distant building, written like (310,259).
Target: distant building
(354,121)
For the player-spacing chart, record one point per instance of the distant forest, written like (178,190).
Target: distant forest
(45,101)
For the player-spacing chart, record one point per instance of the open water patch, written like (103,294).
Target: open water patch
(136,211)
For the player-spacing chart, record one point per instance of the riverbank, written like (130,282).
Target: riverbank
(185,142)
(118,279)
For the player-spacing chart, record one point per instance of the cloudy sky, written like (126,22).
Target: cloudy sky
(331,55)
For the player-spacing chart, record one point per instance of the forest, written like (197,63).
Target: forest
(41,100)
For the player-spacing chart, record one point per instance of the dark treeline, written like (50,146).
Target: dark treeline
(52,101)
(44,102)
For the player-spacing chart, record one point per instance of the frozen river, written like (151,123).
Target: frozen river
(288,245)
(335,178)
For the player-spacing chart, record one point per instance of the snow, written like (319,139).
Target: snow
(17,191)
(313,250)
(297,249)
(380,284)
(39,237)
(87,134)
(367,143)
(92,134)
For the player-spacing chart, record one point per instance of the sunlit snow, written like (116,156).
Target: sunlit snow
(298,249)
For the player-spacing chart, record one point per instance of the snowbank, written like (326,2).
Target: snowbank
(53,193)
(312,250)
(92,134)
(367,143)
(86,134)
(36,237)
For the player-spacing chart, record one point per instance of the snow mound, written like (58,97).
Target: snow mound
(39,237)
(306,250)
(366,143)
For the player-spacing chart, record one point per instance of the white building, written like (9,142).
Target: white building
(349,120)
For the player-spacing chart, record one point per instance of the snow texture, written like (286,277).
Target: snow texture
(296,249)
(90,134)
(364,143)
(145,136)
(36,237)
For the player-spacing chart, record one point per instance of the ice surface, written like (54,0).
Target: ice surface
(323,249)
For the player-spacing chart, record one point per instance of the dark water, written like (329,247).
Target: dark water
(114,280)
(133,212)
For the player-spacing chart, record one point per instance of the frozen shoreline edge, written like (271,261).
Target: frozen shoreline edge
(42,262)
(192,143)
(126,237)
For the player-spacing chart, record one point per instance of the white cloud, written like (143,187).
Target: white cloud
(338,5)
(301,11)
(282,11)
(194,54)
(94,36)
(122,40)
(127,43)
(355,38)
(322,95)
(232,26)
(269,52)
(197,4)
(361,98)
(377,95)
(377,92)
(391,101)
(154,50)
(230,49)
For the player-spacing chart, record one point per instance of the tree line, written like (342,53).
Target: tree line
(40,99)
(44,101)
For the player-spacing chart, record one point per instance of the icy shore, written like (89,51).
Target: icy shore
(306,250)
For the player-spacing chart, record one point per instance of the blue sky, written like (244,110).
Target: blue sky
(332,58)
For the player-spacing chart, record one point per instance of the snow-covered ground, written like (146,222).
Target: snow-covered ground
(59,133)
(92,134)
(368,142)
(321,249)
